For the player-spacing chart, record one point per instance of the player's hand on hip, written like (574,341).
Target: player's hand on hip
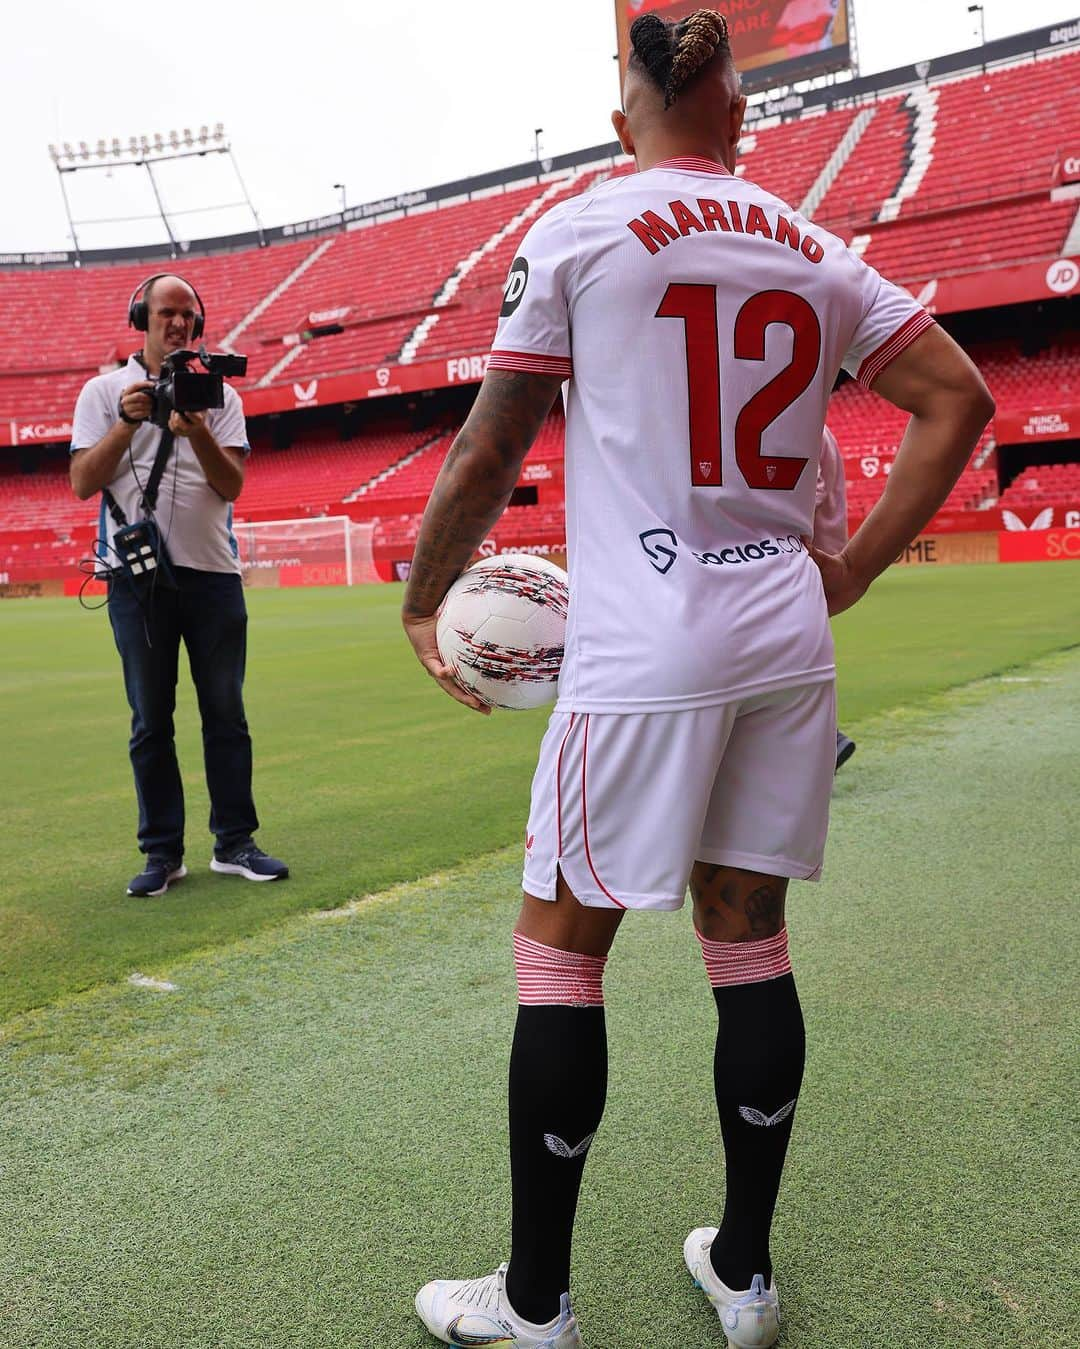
(135,401)
(421,632)
(842,584)
(183,423)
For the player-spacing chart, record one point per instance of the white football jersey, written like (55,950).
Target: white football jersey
(701,323)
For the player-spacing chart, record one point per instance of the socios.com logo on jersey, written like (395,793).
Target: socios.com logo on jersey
(662,549)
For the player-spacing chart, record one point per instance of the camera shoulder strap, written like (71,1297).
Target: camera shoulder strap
(149,497)
(114,508)
(148,500)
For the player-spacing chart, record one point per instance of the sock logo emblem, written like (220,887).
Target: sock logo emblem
(556,1145)
(753,1116)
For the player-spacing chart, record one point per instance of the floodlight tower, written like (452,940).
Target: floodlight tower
(143,152)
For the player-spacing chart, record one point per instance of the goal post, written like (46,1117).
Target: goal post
(313,550)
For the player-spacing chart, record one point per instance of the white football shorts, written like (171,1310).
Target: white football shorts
(625,803)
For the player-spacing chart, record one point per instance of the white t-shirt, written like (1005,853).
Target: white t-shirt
(701,323)
(195,522)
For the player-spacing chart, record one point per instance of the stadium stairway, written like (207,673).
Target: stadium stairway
(874,171)
(385,474)
(1071,245)
(271,295)
(467,320)
(834,165)
(383,277)
(923,106)
(953,160)
(515,226)
(788,157)
(972,161)
(63,326)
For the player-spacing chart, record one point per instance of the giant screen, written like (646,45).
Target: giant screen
(774,41)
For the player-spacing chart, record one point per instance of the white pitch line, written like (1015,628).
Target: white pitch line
(144,981)
(389,896)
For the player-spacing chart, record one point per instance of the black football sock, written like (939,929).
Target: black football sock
(558,1082)
(758,1068)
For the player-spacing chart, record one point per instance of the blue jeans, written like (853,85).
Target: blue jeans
(208,612)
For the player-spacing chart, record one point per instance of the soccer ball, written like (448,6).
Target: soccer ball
(502,629)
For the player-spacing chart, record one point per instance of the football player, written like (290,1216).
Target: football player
(701,323)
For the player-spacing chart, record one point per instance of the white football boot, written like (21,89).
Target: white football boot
(474,1312)
(751,1317)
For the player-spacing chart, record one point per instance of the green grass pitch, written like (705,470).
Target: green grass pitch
(280,1150)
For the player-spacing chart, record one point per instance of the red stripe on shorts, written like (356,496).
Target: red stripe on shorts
(585,819)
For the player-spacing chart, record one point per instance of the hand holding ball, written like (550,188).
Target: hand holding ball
(502,629)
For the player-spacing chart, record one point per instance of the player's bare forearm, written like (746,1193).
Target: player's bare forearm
(950,405)
(475,482)
(932,455)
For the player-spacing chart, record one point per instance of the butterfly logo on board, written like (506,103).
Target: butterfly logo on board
(764,1121)
(1013,523)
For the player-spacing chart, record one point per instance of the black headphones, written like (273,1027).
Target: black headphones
(139,310)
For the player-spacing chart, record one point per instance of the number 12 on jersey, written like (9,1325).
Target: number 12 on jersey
(696,306)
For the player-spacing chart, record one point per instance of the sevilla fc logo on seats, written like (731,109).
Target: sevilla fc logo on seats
(515,286)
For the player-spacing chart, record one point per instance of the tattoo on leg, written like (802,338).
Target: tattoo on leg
(764,910)
(726,911)
(726,893)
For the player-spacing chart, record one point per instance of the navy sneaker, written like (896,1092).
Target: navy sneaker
(250,862)
(845,748)
(156,877)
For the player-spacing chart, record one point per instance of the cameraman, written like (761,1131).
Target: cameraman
(114,449)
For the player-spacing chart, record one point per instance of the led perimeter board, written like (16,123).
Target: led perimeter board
(774,41)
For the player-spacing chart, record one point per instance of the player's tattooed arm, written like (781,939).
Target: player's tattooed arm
(475,482)
(469,495)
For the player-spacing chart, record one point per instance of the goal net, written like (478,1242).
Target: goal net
(324,550)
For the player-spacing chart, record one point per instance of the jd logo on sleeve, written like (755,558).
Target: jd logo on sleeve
(515,286)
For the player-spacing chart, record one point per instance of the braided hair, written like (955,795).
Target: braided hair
(673,53)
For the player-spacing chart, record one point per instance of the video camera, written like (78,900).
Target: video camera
(180,389)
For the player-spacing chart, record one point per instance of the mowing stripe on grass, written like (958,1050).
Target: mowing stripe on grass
(313,1124)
